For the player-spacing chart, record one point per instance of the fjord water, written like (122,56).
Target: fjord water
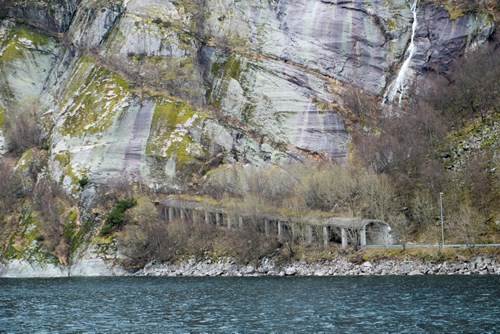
(393,304)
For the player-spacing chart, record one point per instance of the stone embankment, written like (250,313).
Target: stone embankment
(340,266)
(335,267)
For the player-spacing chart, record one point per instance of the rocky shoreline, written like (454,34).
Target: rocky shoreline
(226,267)
(335,267)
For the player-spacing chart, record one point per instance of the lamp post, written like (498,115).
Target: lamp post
(442,220)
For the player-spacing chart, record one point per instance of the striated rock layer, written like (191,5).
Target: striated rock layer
(154,90)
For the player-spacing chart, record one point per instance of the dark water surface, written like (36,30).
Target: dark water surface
(394,304)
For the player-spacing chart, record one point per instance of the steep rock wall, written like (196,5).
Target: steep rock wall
(51,16)
(157,91)
(441,40)
(272,72)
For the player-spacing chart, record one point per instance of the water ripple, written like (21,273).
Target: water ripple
(458,304)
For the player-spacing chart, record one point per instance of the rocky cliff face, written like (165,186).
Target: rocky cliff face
(51,16)
(156,90)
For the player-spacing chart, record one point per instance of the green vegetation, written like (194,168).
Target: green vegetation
(2,117)
(26,246)
(454,12)
(170,135)
(77,178)
(38,40)
(458,8)
(431,255)
(17,42)
(116,218)
(83,182)
(99,93)
(223,70)
(64,158)
(40,222)
(405,165)
(391,25)
(231,68)
(11,53)
(446,142)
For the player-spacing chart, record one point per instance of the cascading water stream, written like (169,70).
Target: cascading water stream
(399,84)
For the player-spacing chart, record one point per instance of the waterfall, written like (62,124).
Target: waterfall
(398,86)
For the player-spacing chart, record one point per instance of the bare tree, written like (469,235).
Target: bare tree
(403,229)
(10,185)
(53,206)
(21,130)
(473,87)
(467,224)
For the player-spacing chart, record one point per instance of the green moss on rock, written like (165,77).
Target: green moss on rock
(223,70)
(25,161)
(170,133)
(454,12)
(18,40)
(38,40)
(231,68)
(11,53)
(64,158)
(26,245)
(93,99)
(2,117)
(72,177)
(391,25)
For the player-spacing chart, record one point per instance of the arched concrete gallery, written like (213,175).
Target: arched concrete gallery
(344,231)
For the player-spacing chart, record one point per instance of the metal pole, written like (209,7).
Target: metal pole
(442,220)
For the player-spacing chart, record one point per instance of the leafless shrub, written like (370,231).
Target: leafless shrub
(142,243)
(146,237)
(53,206)
(10,185)
(472,89)
(466,225)
(348,191)
(360,104)
(479,180)
(403,142)
(22,131)
(270,184)
(463,6)
(248,244)
(10,188)
(402,228)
